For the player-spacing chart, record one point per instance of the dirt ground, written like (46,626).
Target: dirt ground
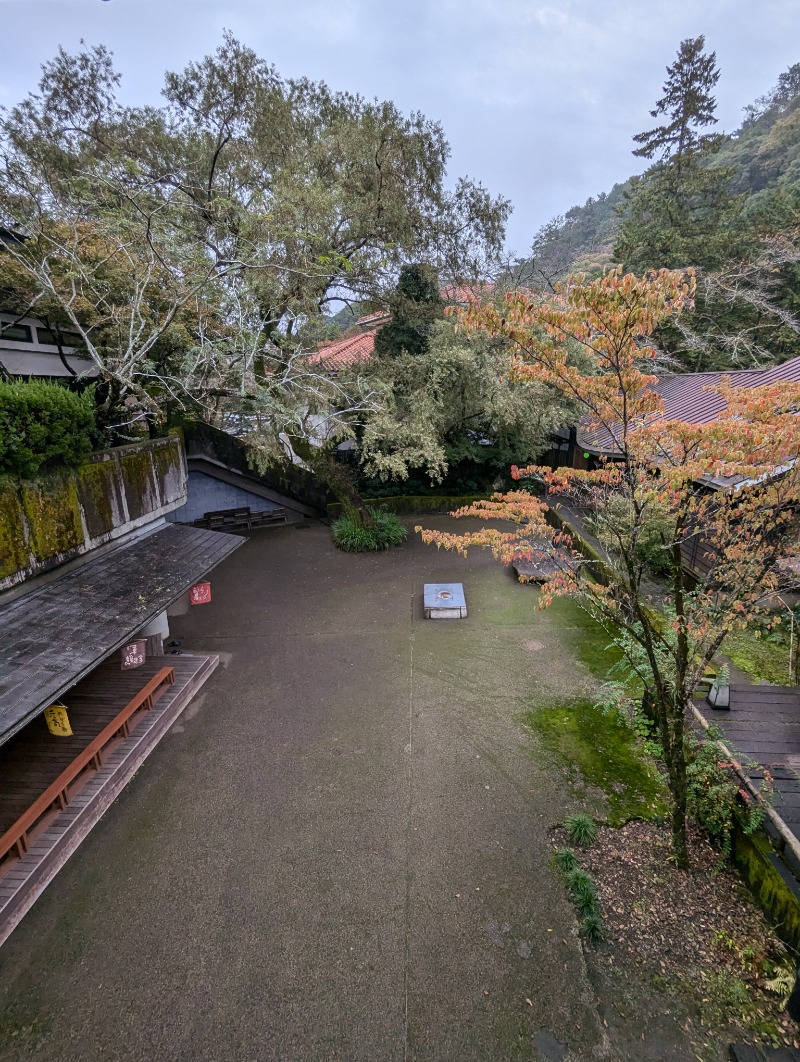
(343,849)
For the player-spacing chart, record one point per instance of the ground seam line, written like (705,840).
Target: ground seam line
(409,829)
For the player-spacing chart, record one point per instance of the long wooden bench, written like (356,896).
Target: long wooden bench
(220,519)
(58,793)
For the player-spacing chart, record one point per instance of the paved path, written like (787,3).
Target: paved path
(339,852)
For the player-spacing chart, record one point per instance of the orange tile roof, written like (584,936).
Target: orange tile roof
(345,353)
(353,350)
(463,294)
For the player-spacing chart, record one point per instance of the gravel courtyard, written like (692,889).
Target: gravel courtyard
(341,850)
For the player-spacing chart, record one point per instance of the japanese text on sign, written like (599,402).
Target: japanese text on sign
(55,715)
(134,654)
(200,593)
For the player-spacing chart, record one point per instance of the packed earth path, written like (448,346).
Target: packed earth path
(342,849)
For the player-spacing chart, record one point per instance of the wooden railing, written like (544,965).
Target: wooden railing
(58,792)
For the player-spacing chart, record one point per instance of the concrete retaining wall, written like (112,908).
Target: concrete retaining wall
(47,521)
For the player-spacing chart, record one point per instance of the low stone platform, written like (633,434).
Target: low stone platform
(23,879)
(444,601)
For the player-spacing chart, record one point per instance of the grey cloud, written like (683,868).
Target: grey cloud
(538,99)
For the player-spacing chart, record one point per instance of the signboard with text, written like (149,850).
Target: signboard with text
(200,594)
(55,715)
(134,654)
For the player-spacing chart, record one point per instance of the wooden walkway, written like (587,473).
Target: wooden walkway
(34,758)
(763,725)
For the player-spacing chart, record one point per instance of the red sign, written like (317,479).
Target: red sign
(200,594)
(134,654)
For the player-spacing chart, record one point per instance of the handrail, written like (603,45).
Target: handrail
(16,835)
(785,833)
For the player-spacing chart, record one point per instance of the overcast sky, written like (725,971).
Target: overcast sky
(538,100)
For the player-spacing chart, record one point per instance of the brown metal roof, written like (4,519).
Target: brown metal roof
(685,398)
(57,633)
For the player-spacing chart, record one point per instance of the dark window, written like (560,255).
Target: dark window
(19,333)
(68,339)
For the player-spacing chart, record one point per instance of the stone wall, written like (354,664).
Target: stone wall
(47,521)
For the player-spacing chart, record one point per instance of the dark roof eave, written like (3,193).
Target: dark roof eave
(58,633)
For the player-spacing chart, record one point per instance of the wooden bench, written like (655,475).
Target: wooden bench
(58,793)
(220,519)
(268,516)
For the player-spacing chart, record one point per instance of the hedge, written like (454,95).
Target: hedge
(43,426)
(419,503)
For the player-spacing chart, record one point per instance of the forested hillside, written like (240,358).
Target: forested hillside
(763,156)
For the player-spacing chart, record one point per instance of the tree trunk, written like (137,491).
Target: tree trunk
(677,786)
(338,479)
(668,710)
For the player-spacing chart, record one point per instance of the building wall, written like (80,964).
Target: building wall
(55,518)
(207,494)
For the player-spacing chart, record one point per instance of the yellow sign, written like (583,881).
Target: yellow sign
(57,720)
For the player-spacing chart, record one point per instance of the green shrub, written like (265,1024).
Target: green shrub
(581,830)
(566,860)
(353,537)
(582,890)
(43,426)
(592,929)
(715,798)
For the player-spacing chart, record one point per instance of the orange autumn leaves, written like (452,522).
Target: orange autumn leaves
(592,341)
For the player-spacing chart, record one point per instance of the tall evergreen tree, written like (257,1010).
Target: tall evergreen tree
(688,104)
(680,212)
(415,304)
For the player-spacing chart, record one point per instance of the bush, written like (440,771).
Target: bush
(582,891)
(566,860)
(43,426)
(715,799)
(592,929)
(353,537)
(581,830)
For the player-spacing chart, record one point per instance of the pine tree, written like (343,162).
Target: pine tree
(680,212)
(688,103)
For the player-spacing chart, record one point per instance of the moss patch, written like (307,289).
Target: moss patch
(763,659)
(51,507)
(167,463)
(139,480)
(606,751)
(98,490)
(758,864)
(585,637)
(13,552)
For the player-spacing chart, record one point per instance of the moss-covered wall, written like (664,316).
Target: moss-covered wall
(13,550)
(48,521)
(424,503)
(52,514)
(141,490)
(771,883)
(100,496)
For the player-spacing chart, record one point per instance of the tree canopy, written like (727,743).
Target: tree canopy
(191,244)
(592,343)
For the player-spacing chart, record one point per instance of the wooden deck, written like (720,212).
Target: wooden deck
(34,758)
(763,725)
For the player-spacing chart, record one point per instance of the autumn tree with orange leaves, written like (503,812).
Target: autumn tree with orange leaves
(734,481)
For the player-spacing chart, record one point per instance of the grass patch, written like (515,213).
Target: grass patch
(585,637)
(353,537)
(605,749)
(764,659)
(581,830)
